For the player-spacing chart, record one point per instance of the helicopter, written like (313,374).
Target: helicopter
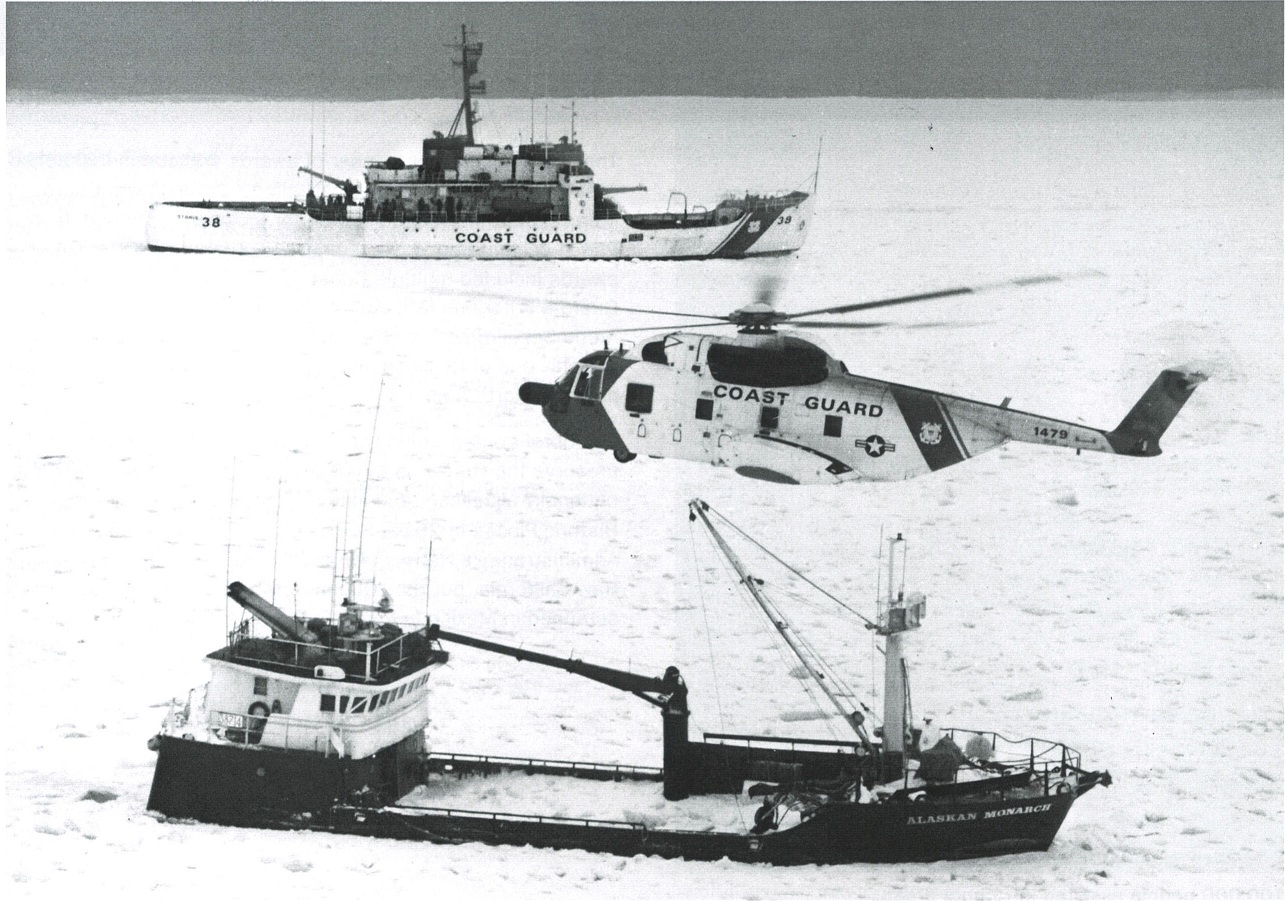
(778,408)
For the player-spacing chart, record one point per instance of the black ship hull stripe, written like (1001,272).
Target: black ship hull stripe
(929,426)
(745,235)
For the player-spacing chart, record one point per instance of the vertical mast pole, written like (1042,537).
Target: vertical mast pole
(361,529)
(468,93)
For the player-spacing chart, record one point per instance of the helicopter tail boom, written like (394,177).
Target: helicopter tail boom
(977,426)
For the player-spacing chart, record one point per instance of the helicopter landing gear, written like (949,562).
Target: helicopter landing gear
(623,456)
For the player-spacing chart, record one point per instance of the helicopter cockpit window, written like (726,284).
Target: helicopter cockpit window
(780,365)
(588,384)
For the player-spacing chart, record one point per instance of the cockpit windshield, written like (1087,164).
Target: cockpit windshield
(588,384)
(789,361)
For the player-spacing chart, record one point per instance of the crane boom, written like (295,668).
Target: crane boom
(342,184)
(851,717)
(668,689)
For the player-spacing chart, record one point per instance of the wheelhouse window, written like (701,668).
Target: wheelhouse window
(638,397)
(343,703)
(704,408)
(770,418)
(834,426)
(359,705)
(327,703)
(261,685)
(786,362)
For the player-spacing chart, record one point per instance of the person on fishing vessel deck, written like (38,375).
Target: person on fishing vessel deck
(939,756)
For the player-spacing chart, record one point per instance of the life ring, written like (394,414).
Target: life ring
(258,720)
(1064,787)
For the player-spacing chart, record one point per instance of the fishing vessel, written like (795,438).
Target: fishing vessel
(321,727)
(471,200)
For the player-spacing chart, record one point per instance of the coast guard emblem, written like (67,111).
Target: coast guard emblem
(930,433)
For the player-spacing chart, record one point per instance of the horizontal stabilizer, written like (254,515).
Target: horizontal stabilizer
(1138,434)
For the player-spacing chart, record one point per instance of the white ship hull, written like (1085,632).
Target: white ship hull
(243,228)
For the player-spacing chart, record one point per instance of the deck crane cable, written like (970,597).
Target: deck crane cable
(832,675)
(827,670)
(713,662)
(779,645)
(754,542)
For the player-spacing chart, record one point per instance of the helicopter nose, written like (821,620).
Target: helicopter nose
(536,393)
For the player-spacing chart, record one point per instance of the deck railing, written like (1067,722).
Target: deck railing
(367,662)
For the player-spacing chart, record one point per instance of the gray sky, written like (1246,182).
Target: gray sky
(394,50)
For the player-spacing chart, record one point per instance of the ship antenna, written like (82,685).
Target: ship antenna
(361,528)
(312,140)
(816,176)
(428,581)
(276,543)
(227,566)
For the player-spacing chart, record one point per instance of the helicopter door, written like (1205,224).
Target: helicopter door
(707,408)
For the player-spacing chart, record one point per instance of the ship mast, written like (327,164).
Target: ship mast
(898,613)
(850,716)
(469,56)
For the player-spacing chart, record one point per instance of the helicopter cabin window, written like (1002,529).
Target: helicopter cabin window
(327,703)
(638,397)
(770,418)
(261,685)
(704,408)
(654,352)
(834,426)
(785,362)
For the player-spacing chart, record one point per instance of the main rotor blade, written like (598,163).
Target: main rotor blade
(617,331)
(603,306)
(1025,282)
(872,304)
(795,324)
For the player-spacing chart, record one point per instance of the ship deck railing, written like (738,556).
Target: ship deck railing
(299,733)
(1049,762)
(462,764)
(368,663)
(498,817)
(434,217)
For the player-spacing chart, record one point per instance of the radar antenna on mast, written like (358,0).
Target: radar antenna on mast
(469,56)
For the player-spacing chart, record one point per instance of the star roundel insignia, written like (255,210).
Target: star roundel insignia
(876,447)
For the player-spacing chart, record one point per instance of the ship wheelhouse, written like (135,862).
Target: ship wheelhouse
(348,688)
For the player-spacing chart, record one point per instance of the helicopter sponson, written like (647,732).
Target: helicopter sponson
(778,408)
